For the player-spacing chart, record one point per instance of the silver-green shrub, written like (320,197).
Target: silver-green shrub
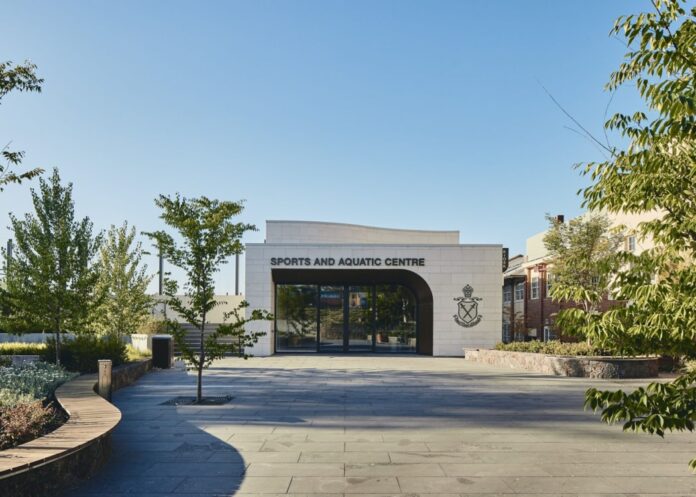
(30,381)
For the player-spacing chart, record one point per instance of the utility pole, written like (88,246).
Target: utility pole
(161,273)
(236,274)
(8,255)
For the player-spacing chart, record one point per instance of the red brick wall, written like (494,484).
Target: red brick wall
(540,312)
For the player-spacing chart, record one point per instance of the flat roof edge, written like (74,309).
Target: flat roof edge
(362,226)
(368,245)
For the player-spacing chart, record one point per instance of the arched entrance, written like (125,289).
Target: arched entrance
(330,310)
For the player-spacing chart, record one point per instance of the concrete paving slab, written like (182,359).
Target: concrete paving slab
(338,426)
(295,469)
(345,485)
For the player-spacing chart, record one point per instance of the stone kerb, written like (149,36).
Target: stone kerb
(576,366)
(76,449)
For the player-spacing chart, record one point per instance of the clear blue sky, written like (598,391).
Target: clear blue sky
(401,114)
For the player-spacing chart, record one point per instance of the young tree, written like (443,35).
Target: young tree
(208,239)
(582,259)
(655,171)
(16,78)
(51,278)
(122,285)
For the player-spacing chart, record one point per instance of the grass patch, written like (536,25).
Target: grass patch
(22,348)
(133,354)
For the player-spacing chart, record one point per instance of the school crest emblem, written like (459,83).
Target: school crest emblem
(467,308)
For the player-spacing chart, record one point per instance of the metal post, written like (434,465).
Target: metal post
(104,389)
(236,274)
(8,254)
(161,273)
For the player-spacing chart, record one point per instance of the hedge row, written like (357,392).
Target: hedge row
(13,348)
(553,347)
(82,353)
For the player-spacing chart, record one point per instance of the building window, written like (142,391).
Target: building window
(535,287)
(519,291)
(506,332)
(549,284)
(507,293)
(631,243)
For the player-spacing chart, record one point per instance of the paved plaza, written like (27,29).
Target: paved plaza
(379,425)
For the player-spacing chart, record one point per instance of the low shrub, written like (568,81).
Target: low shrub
(134,354)
(26,411)
(26,421)
(553,347)
(10,398)
(30,381)
(153,326)
(21,348)
(82,353)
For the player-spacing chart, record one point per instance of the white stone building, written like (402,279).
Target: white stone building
(347,288)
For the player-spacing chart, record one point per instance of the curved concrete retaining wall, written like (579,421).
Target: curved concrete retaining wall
(76,449)
(589,367)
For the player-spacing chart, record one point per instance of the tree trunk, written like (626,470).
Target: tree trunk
(57,332)
(588,309)
(201,362)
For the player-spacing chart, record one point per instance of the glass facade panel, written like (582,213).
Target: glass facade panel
(349,318)
(331,318)
(296,317)
(360,316)
(395,321)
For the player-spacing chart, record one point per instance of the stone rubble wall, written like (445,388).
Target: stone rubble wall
(577,366)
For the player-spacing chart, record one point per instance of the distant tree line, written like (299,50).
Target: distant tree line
(64,277)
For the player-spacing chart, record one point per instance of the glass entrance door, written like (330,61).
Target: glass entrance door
(360,319)
(331,318)
(350,318)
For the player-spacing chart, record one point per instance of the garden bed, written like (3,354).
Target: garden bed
(76,449)
(27,406)
(577,366)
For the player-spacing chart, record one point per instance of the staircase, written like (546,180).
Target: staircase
(193,336)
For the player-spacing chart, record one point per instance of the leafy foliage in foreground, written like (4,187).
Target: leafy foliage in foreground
(21,78)
(656,173)
(655,409)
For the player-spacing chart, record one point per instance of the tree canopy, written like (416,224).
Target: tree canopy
(582,258)
(207,238)
(21,78)
(50,281)
(122,284)
(656,171)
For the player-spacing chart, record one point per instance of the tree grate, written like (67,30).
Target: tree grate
(191,401)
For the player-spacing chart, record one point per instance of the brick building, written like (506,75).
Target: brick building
(528,311)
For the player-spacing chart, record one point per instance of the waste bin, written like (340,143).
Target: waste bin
(162,351)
